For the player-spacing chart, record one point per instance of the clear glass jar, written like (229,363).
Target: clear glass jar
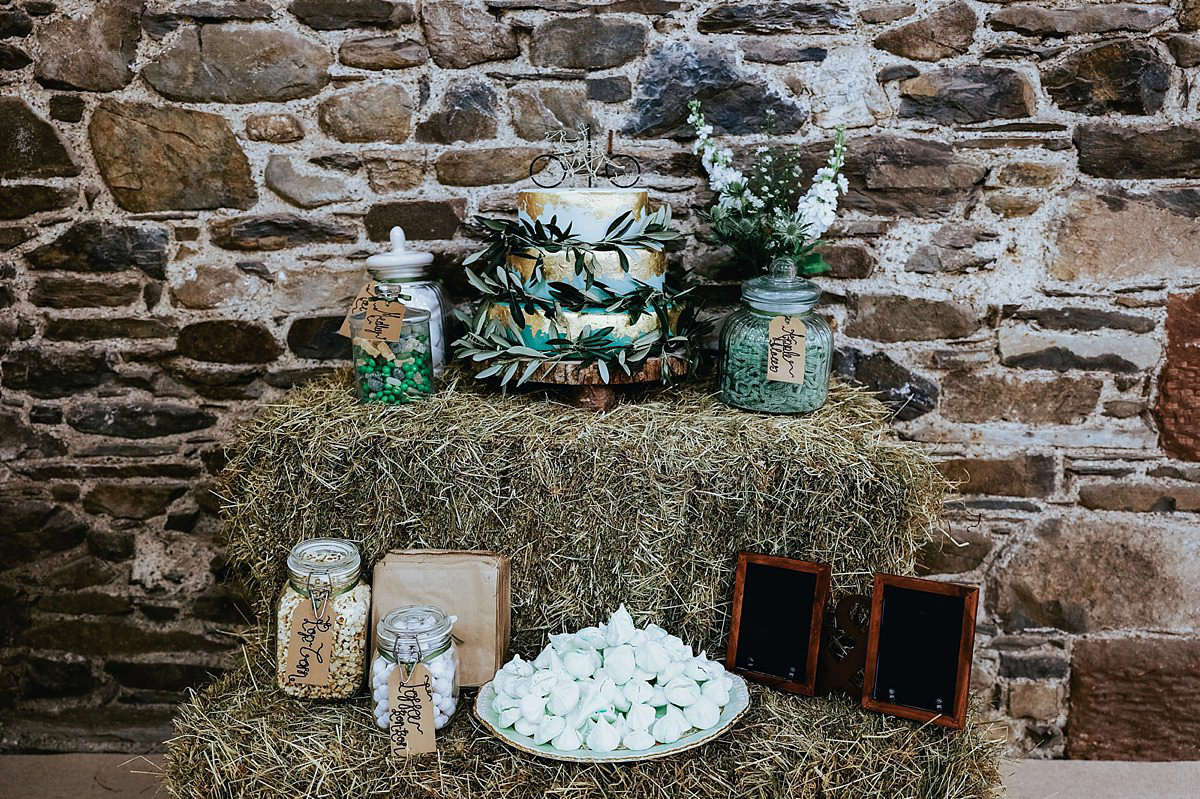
(746,341)
(393,372)
(412,634)
(427,294)
(405,270)
(325,579)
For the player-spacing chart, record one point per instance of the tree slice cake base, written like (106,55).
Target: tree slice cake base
(585,387)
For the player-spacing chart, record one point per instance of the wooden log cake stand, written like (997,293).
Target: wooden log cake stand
(647,504)
(587,388)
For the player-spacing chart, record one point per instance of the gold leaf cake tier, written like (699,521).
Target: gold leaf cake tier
(645,266)
(589,212)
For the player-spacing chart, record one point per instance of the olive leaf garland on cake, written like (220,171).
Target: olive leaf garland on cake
(565,283)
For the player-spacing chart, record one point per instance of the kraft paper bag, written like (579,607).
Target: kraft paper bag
(472,585)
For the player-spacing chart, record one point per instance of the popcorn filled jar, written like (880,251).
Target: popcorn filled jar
(393,367)
(775,351)
(322,621)
(414,634)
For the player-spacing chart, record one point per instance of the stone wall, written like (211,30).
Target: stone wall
(189,188)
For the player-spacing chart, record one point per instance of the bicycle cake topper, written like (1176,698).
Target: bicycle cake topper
(579,155)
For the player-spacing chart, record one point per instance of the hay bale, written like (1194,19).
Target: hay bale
(647,504)
(237,740)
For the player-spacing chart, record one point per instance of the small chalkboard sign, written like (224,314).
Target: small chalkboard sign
(919,649)
(778,611)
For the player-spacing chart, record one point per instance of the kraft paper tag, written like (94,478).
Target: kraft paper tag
(785,349)
(384,321)
(359,307)
(310,645)
(410,711)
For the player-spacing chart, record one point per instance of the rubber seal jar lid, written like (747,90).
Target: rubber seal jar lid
(780,291)
(414,632)
(401,262)
(334,562)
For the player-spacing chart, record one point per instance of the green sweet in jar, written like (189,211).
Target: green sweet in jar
(407,376)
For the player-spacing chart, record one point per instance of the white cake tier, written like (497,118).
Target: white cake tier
(571,324)
(645,266)
(589,212)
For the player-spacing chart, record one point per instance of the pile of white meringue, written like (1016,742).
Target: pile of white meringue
(611,686)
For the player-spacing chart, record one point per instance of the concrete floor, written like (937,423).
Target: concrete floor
(80,776)
(125,777)
(1101,779)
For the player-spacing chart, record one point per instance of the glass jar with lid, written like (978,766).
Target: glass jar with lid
(321,624)
(393,372)
(414,634)
(775,351)
(406,271)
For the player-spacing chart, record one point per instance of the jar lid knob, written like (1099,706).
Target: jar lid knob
(784,268)
(399,244)
(401,260)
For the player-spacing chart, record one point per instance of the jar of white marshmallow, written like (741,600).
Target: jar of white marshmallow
(417,634)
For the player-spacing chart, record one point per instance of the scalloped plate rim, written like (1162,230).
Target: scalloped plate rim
(740,693)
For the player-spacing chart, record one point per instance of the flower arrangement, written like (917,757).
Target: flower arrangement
(760,215)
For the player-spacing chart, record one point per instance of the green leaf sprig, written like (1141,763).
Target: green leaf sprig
(501,346)
(625,234)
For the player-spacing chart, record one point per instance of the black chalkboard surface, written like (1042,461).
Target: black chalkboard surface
(919,649)
(778,610)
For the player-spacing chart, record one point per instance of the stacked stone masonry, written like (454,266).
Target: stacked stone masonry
(188,189)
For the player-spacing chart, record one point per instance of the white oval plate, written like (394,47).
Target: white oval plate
(739,703)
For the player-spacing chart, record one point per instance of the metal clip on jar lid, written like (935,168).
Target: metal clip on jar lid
(781,292)
(331,561)
(414,632)
(401,263)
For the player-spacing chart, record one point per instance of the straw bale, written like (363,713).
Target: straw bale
(238,739)
(647,504)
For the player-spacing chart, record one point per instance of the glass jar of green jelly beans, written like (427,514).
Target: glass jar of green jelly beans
(775,352)
(405,271)
(393,372)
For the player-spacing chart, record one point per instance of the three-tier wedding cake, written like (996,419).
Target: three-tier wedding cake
(587,213)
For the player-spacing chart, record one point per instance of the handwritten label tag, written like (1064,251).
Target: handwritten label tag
(410,711)
(310,645)
(785,349)
(362,301)
(384,321)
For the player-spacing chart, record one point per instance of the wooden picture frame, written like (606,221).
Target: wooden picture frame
(766,585)
(921,649)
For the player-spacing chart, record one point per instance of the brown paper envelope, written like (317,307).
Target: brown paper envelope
(472,585)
